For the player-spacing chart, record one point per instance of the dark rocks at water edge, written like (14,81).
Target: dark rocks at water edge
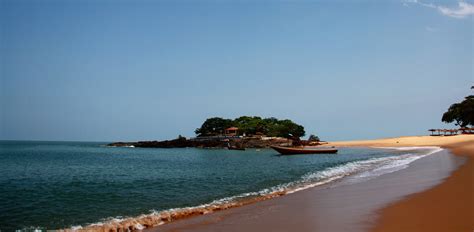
(207,142)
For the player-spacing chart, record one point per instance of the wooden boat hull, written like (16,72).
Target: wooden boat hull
(297,151)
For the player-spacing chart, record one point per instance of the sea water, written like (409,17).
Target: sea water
(57,185)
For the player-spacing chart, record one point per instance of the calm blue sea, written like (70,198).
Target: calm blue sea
(54,185)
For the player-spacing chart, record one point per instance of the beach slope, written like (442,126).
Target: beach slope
(432,194)
(448,206)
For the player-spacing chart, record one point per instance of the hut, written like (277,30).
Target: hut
(453,132)
(231,131)
(450,132)
(466,130)
(433,132)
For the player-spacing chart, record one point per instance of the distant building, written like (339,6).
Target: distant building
(231,131)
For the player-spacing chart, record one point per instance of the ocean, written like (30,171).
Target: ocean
(60,185)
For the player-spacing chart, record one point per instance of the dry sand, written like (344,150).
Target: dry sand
(410,141)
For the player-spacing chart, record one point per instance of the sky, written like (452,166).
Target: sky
(151,70)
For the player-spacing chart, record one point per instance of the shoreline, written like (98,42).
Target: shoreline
(215,217)
(323,178)
(448,206)
(376,219)
(343,205)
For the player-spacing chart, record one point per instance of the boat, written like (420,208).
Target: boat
(302,150)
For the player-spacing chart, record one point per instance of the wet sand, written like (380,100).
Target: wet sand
(364,206)
(446,207)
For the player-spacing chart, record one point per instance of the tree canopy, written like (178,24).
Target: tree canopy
(252,125)
(313,138)
(461,113)
(214,126)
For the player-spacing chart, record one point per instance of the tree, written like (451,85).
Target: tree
(288,129)
(213,126)
(252,125)
(461,113)
(269,125)
(313,138)
(282,128)
(249,125)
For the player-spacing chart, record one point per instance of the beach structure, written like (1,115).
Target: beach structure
(466,130)
(450,132)
(231,131)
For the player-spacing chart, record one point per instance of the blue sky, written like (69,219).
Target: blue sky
(136,70)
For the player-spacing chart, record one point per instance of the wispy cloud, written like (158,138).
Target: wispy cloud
(463,9)
(431,29)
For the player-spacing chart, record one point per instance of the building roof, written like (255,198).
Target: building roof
(232,128)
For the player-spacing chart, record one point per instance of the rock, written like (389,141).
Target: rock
(181,142)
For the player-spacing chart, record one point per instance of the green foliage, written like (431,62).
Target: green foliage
(249,125)
(213,126)
(313,138)
(287,129)
(461,113)
(252,125)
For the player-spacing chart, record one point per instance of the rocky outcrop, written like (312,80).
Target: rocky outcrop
(181,142)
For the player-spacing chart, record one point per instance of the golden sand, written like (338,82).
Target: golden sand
(408,141)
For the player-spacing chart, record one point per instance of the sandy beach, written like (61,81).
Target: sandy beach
(434,193)
(446,207)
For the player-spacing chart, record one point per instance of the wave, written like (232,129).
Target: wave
(396,163)
(359,170)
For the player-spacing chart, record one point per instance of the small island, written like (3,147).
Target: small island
(240,133)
